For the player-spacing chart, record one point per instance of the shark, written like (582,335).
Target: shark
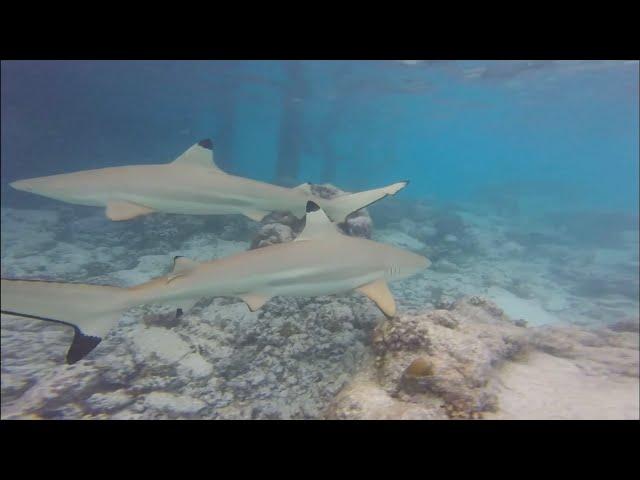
(191,184)
(320,261)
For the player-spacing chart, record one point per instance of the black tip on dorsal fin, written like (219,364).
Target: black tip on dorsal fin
(206,143)
(312,207)
(81,346)
(406,182)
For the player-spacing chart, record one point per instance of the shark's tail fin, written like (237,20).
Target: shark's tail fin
(92,310)
(338,208)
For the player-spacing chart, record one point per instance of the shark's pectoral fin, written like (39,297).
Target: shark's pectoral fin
(317,224)
(181,267)
(254,300)
(118,210)
(378,291)
(255,215)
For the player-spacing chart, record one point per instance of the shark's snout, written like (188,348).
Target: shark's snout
(419,263)
(409,263)
(23,185)
(39,186)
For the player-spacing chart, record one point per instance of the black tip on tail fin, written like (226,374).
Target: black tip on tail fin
(206,143)
(81,346)
(312,207)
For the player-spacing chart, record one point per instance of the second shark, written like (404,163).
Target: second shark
(191,184)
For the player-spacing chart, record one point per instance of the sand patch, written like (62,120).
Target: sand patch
(546,387)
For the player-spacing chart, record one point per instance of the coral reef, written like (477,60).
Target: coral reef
(448,354)
(459,364)
(219,361)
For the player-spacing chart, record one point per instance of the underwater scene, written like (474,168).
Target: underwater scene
(366,239)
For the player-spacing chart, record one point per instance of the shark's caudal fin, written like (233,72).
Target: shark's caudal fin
(92,310)
(338,208)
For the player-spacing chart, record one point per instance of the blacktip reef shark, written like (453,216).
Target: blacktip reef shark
(320,261)
(191,184)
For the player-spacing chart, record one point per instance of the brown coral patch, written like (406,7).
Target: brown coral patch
(419,368)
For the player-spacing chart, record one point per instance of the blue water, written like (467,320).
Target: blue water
(560,134)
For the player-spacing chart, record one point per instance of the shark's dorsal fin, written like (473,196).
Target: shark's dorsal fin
(181,266)
(199,155)
(118,210)
(378,291)
(254,300)
(304,187)
(317,223)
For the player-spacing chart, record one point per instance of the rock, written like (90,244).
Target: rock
(170,228)
(195,366)
(364,400)
(445,266)
(358,224)
(160,342)
(626,326)
(284,218)
(175,405)
(272,233)
(109,402)
(426,232)
(449,225)
(447,353)
(13,386)
(463,362)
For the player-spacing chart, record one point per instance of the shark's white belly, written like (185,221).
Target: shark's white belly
(205,203)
